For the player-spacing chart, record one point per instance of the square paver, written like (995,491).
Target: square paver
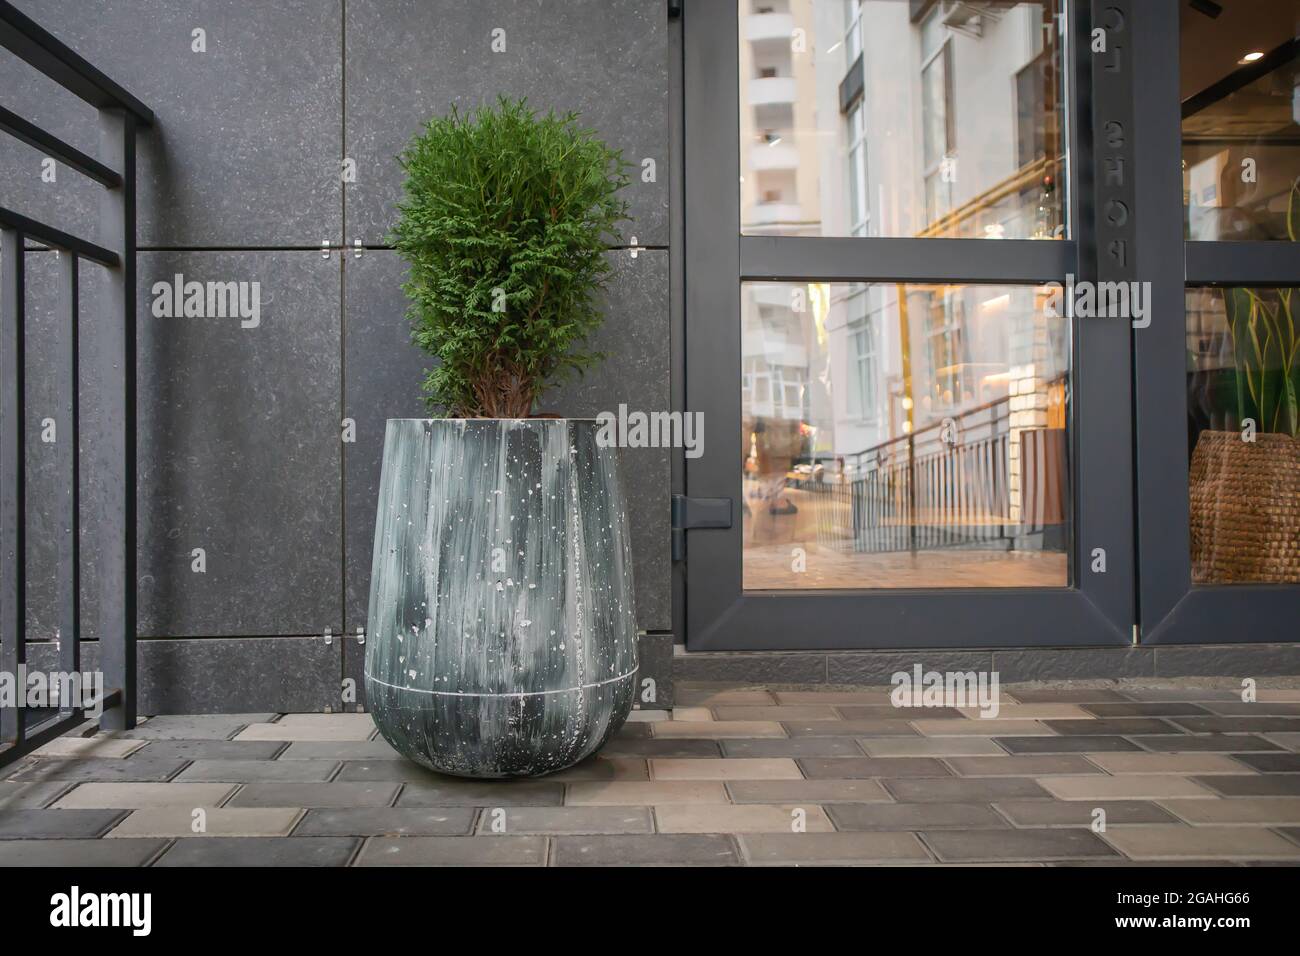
(912,816)
(388,821)
(748,818)
(1270,762)
(193,726)
(1059,813)
(1132,787)
(455,792)
(768,849)
(854,728)
(214,822)
(102,746)
(56,824)
(1202,843)
(1256,785)
(668,849)
(992,846)
(858,768)
(965,789)
(1254,811)
(692,713)
(715,729)
(565,820)
(636,794)
(260,771)
(31,796)
(1066,745)
(930,746)
(1020,766)
(78,853)
(315,795)
(138,769)
(732,768)
(1205,743)
(795,747)
(257,851)
(137,796)
(802,792)
(982,728)
(453,851)
(1182,764)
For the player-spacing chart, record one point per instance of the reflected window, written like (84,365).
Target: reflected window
(903,435)
(899,118)
(1241,120)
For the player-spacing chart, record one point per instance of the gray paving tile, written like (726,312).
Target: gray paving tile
(1182,764)
(194,726)
(1206,743)
(1181,693)
(260,771)
(78,853)
(807,791)
(212,749)
(668,849)
(1063,695)
(1057,813)
(1262,811)
(453,851)
(793,747)
(713,729)
(890,712)
(1240,708)
(1146,709)
(668,748)
(1270,762)
(744,818)
(396,771)
(1291,833)
(1067,745)
(602,767)
(832,848)
(784,712)
(138,769)
(1228,843)
(859,768)
(388,821)
(366,750)
(1258,785)
(134,796)
(696,695)
(912,816)
(1238,725)
(102,746)
(634,793)
(311,795)
(174,822)
(1020,766)
(1291,741)
(989,846)
(555,821)
(849,728)
(849,698)
(56,824)
(930,747)
(258,851)
(732,768)
(964,789)
(1145,786)
(1112,726)
(31,796)
(451,792)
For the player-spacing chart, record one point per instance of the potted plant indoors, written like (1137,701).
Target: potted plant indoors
(1245,468)
(501,632)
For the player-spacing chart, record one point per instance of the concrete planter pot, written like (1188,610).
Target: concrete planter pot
(501,638)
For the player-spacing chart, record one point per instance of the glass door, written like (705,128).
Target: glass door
(923,434)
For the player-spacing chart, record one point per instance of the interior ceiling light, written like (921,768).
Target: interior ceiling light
(1251,57)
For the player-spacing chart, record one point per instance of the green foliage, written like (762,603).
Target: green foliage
(505,223)
(1266,348)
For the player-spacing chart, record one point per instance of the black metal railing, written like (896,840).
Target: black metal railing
(109,361)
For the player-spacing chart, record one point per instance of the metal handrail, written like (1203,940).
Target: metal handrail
(113,353)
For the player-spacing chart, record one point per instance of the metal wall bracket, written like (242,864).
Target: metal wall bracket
(674,9)
(692,513)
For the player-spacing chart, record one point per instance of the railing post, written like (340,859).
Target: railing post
(115,359)
(13,554)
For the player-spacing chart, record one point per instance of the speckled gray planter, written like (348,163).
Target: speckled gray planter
(501,638)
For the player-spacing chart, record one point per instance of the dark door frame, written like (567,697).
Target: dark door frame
(719,615)
(1173,610)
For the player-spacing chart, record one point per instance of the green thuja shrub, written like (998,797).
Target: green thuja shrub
(505,222)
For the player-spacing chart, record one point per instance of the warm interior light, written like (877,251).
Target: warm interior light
(1252,57)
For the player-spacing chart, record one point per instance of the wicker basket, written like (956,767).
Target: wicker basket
(1245,509)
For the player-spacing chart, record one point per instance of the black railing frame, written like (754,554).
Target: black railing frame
(120,115)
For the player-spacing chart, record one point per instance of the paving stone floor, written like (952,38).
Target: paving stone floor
(733,776)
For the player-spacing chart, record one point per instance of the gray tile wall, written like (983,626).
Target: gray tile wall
(240,451)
